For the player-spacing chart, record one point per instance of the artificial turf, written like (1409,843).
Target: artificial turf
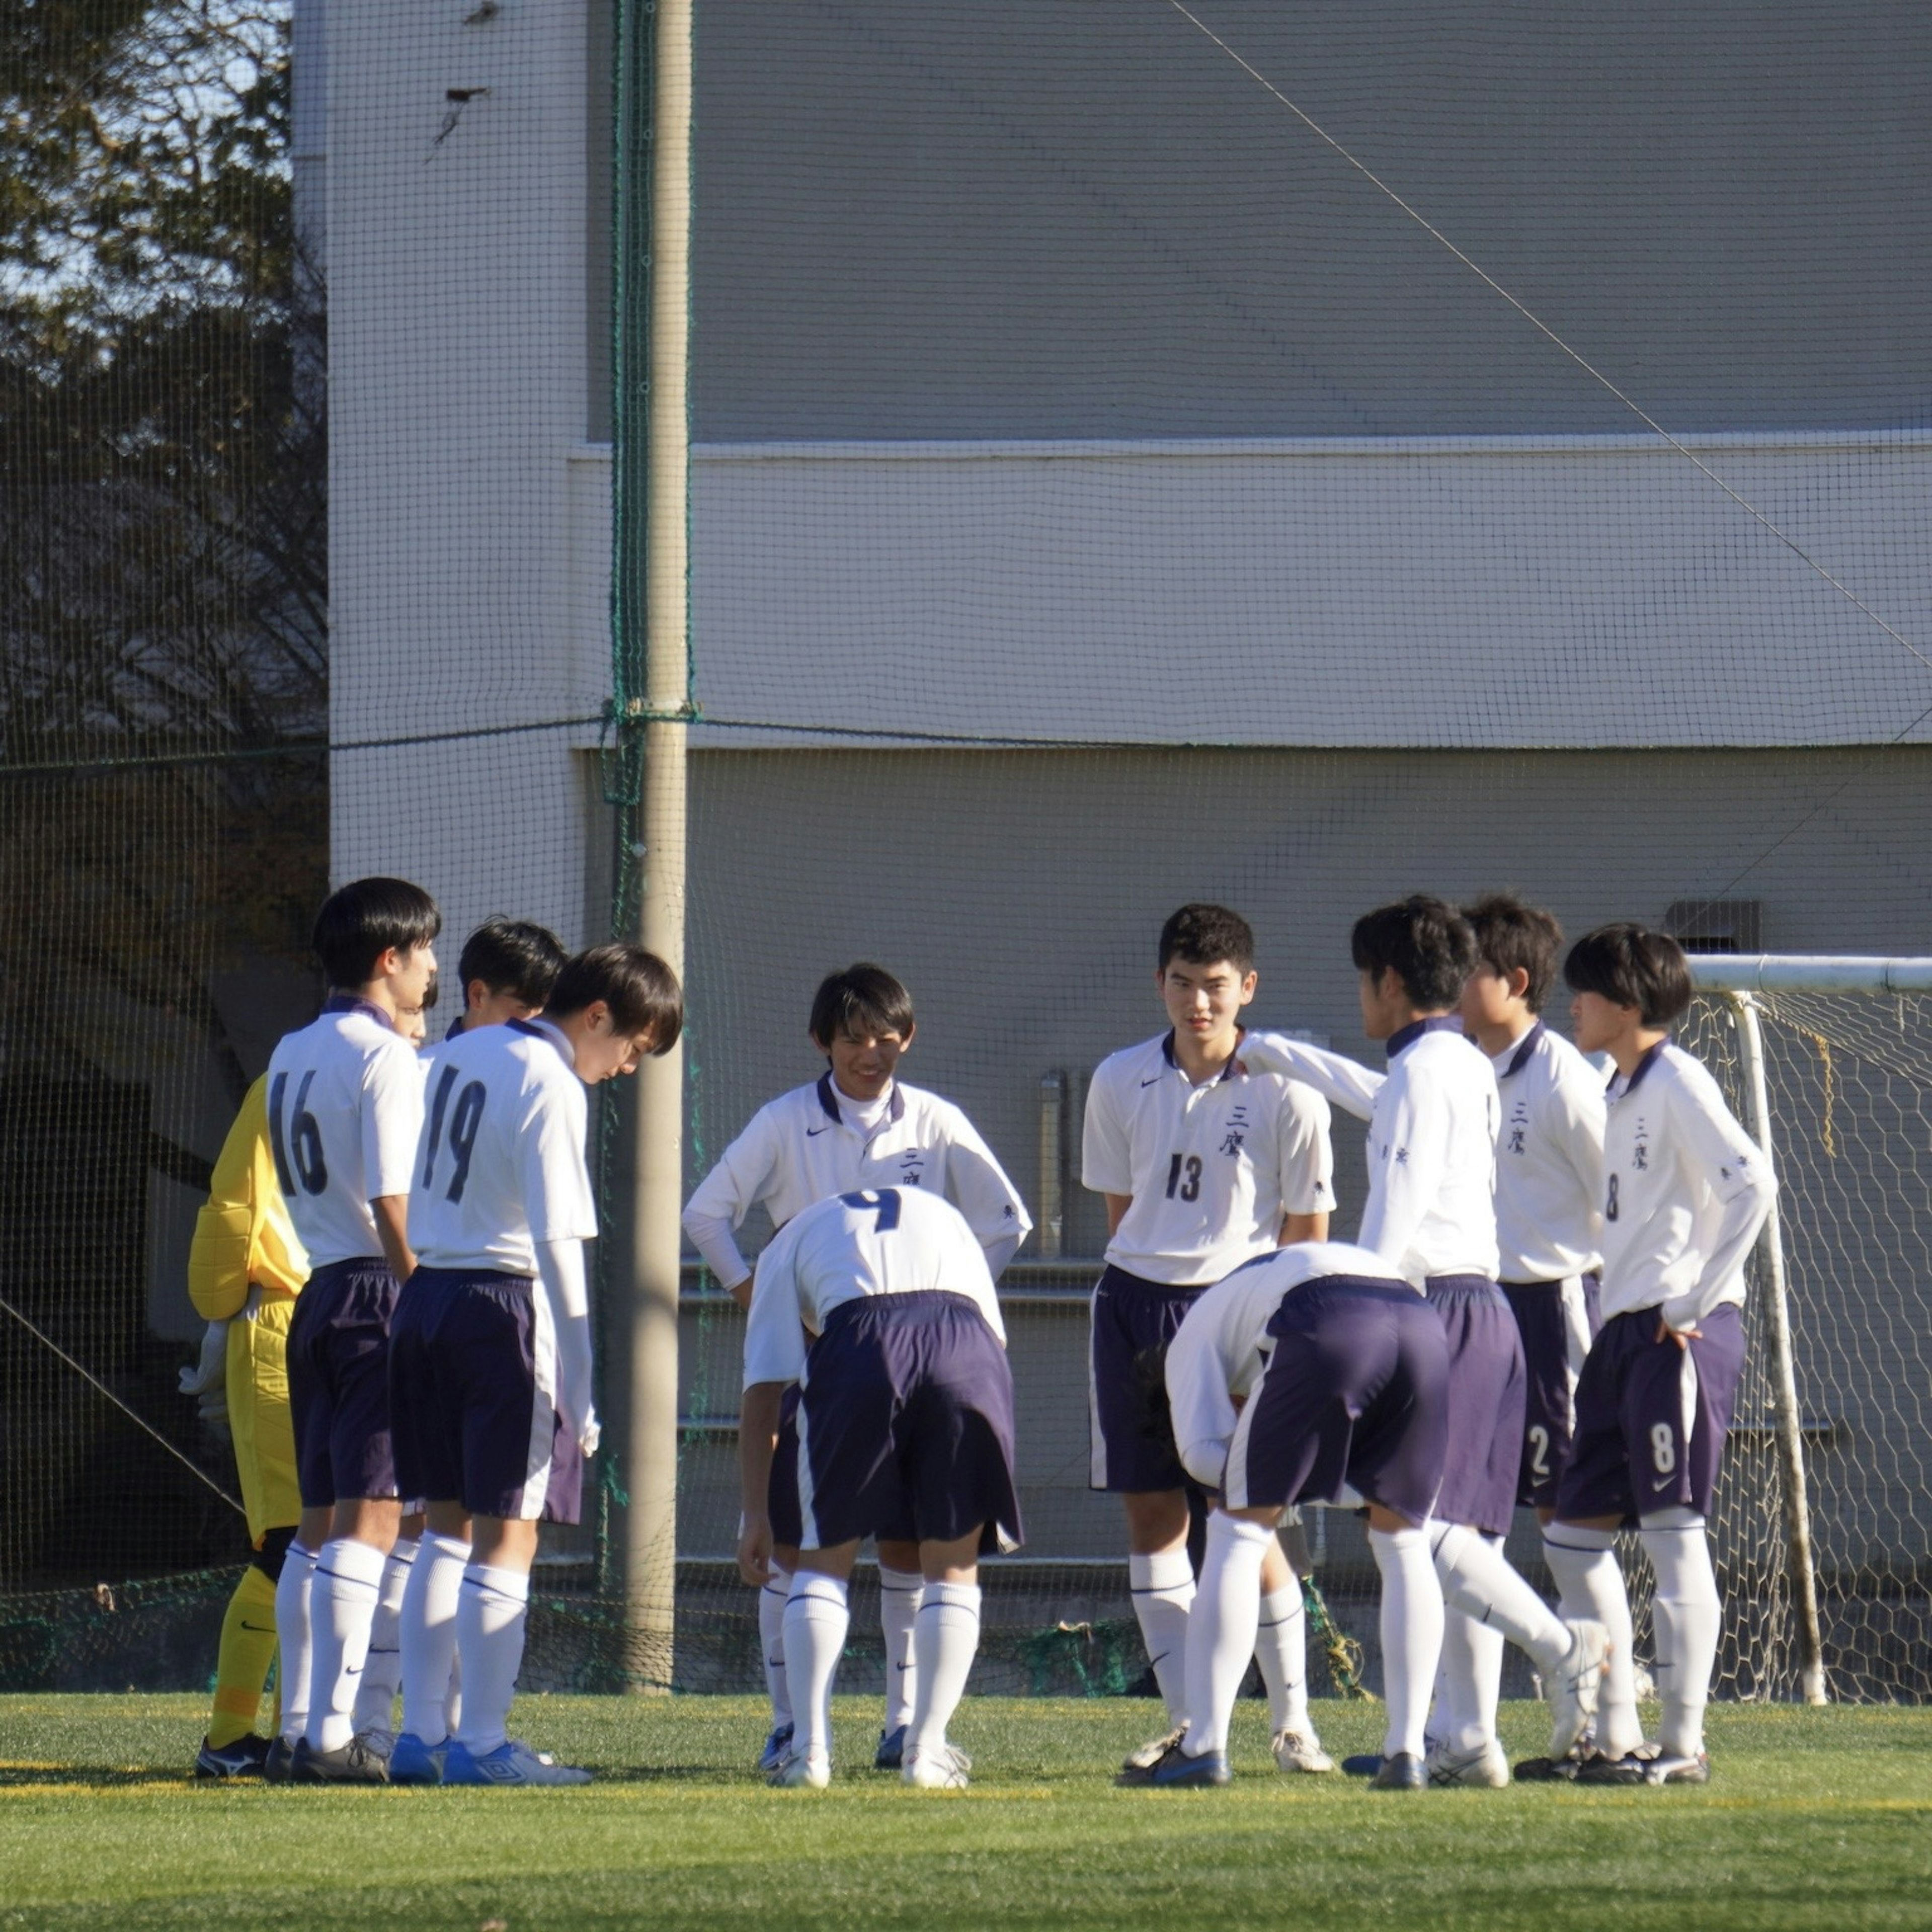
(1813,1819)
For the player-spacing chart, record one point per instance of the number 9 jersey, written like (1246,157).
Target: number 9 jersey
(501,1166)
(345,1106)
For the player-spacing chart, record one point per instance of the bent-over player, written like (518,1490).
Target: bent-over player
(490,1363)
(879,1307)
(1686,1190)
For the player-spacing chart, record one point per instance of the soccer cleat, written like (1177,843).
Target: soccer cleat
(1144,1757)
(412,1762)
(352,1763)
(1669,1769)
(778,1743)
(511,1763)
(1486,1765)
(1402,1772)
(1574,1686)
(1174,1768)
(943,1770)
(278,1767)
(248,1756)
(1548,1770)
(1300,1751)
(810,1771)
(1364,1764)
(890,1755)
(1648,1764)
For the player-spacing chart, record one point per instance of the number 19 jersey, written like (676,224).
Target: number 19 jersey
(1213,1169)
(345,1103)
(501,1166)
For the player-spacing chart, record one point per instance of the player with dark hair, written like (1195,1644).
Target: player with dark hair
(1431,1215)
(857,1125)
(1205,1164)
(491,1370)
(1686,1190)
(879,1307)
(507,969)
(345,1106)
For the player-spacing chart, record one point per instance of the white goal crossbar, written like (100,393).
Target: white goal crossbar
(1808,972)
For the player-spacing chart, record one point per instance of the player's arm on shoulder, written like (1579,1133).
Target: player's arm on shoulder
(719,1203)
(1347,1083)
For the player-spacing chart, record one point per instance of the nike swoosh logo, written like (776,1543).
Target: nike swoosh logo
(812,1133)
(352,1671)
(260,1630)
(902,1668)
(1154,1082)
(1662,1483)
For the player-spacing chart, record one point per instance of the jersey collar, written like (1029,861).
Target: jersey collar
(1643,1067)
(1525,1047)
(549,1029)
(1227,1073)
(354,1002)
(828,1099)
(1404,1037)
(455,1027)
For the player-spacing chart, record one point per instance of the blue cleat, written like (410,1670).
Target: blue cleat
(512,1763)
(890,1755)
(778,1748)
(412,1762)
(1365,1764)
(1175,1769)
(248,1756)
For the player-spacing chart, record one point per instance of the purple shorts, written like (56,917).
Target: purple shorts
(338,1362)
(472,1381)
(1485,1402)
(1651,1417)
(1130,1432)
(905,1416)
(1356,1393)
(1551,1316)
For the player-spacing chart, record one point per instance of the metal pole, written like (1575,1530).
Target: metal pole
(648,1526)
(1052,1163)
(1787,1427)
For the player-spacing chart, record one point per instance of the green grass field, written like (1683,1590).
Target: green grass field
(1815,1819)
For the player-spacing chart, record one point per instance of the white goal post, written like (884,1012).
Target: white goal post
(1742,984)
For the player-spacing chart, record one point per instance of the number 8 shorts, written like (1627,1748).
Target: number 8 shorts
(1651,1417)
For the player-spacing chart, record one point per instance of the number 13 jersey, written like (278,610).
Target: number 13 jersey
(1212,1169)
(501,1164)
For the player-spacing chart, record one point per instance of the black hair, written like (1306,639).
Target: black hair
(511,955)
(1630,966)
(641,991)
(863,1001)
(1204,935)
(1510,934)
(1426,943)
(359,924)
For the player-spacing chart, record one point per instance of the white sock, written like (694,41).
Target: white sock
(293,1639)
(1687,1616)
(428,1634)
(342,1608)
(1411,1630)
(1584,1562)
(1281,1649)
(817,1618)
(772,1595)
(945,1635)
(382,1673)
(1469,1682)
(1221,1627)
(452,1702)
(1479,1580)
(491,1610)
(1163,1588)
(900,1593)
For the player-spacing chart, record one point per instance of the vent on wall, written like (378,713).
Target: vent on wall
(1716,925)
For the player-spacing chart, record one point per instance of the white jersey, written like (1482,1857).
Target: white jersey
(886,1241)
(1213,1169)
(1217,1355)
(1432,1145)
(1685,1191)
(1549,1159)
(501,1163)
(813,1142)
(345,1107)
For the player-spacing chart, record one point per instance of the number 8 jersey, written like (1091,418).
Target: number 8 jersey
(345,1104)
(501,1166)
(1213,1169)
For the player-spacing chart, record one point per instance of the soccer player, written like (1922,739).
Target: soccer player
(857,1125)
(879,1305)
(1686,1190)
(345,1107)
(1431,1215)
(506,969)
(491,1366)
(245,1270)
(1205,1164)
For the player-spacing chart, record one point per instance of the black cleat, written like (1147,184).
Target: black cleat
(278,1768)
(352,1763)
(1402,1772)
(1547,1770)
(248,1756)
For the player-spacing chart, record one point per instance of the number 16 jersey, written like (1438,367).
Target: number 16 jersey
(501,1164)
(1213,1169)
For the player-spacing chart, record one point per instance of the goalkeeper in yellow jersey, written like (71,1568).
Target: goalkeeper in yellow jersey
(243,1271)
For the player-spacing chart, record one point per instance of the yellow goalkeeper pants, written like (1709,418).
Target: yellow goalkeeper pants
(259,1418)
